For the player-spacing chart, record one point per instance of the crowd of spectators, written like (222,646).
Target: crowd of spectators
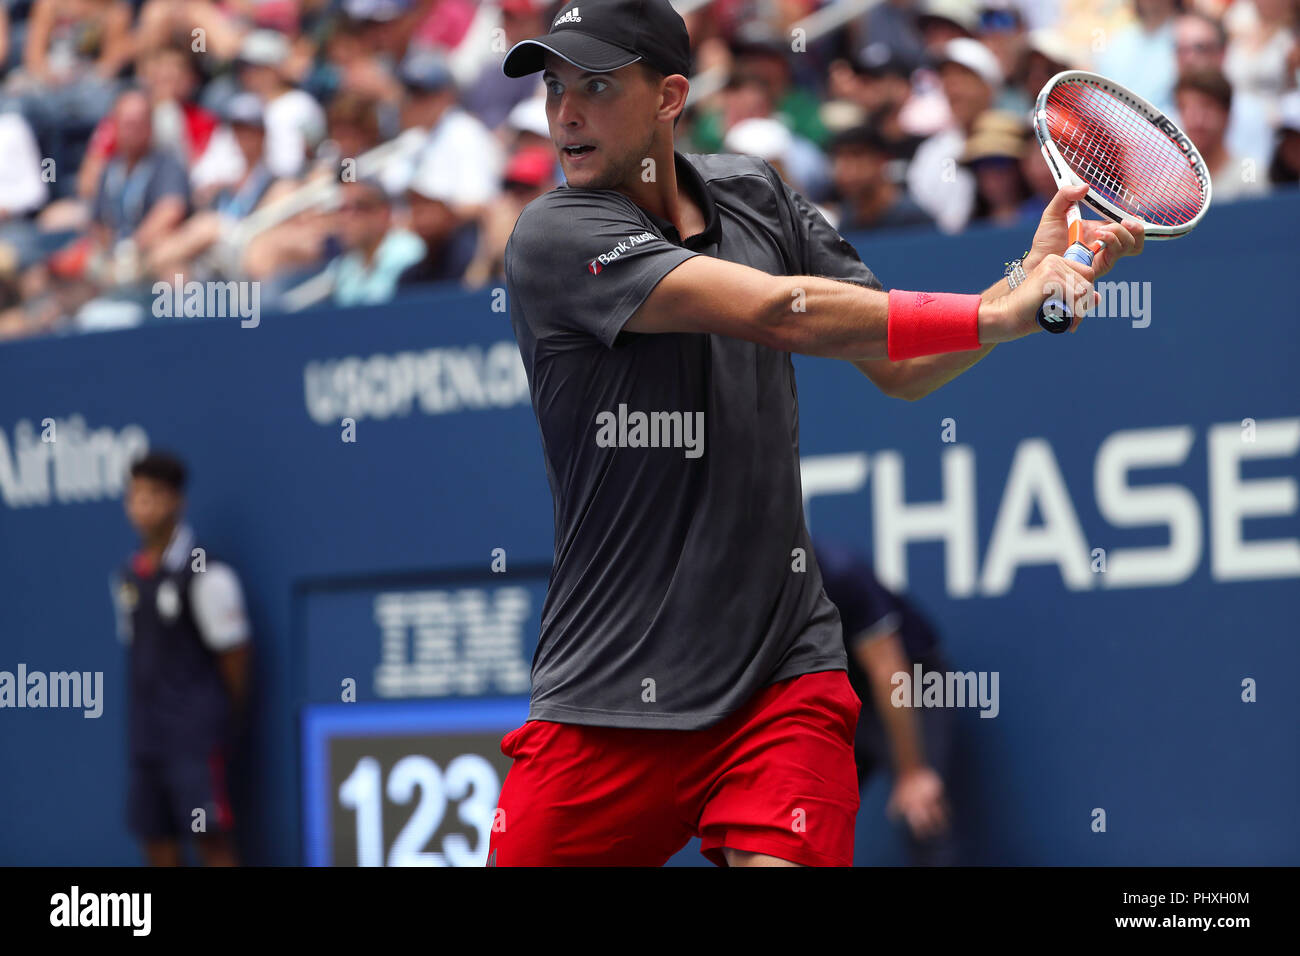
(341,150)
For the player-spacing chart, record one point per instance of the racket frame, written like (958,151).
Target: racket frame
(1065,176)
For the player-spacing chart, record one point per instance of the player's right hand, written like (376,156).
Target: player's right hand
(1015,315)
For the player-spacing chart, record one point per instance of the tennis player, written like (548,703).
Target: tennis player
(689,678)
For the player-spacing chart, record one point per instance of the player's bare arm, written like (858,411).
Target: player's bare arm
(827,318)
(913,379)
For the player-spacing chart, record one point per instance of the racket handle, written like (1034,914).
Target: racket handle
(1054,315)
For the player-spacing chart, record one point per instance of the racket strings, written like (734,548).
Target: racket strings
(1119,153)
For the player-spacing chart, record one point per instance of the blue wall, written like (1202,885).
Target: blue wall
(1126,698)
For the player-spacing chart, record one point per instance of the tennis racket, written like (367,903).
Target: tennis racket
(1135,162)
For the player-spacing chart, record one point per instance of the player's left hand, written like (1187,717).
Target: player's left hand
(1052,237)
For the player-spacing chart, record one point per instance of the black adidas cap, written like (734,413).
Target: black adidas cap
(603,35)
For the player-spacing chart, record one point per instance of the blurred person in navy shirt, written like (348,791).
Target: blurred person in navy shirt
(884,635)
(181,614)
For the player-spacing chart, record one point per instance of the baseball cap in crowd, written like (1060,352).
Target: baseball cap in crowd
(426,70)
(603,35)
(879,59)
(964,14)
(975,56)
(530,167)
(757,38)
(1053,47)
(997,134)
(263,48)
(529,116)
(243,109)
(376,11)
(763,137)
(431,181)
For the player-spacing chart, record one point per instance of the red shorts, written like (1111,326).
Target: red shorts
(775,777)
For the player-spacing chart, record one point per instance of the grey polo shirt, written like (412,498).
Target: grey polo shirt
(683,578)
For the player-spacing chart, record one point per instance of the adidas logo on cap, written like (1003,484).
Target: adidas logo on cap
(570,17)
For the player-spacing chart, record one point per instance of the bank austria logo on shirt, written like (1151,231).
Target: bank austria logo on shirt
(605,258)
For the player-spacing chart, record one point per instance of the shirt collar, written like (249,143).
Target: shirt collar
(174,556)
(177,554)
(689,177)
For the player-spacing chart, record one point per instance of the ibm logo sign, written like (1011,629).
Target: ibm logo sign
(452,643)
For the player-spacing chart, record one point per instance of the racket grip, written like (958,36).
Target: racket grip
(1054,315)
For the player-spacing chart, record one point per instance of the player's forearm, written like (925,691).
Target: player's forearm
(826,318)
(833,319)
(916,378)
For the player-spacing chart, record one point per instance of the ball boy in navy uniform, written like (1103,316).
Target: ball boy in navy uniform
(181,615)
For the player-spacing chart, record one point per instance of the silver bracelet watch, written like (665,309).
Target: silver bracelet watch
(1015,271)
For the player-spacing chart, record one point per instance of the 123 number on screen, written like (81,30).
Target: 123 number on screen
(470,782)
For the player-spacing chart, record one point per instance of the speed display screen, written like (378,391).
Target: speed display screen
(403,784)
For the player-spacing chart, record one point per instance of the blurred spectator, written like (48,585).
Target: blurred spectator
(893,25)
(1204,100)
(1038,177)
(73,53)
(221,207)
(1141,55)
(375,252)
(457,148)
(352,129)
(491,94)
(300,246)
(761,78)
(529,173)
(993,153)
(1285,167)
(878,81)
(170,22)
(527,125)
(946,190)
(1262,61)
(384,27)
(295,122)
(943,20)
(357,57)
(798,161)
(22,188)
(869,197)
(1201,44)
(167,75)
(1002,30)
(1046,54)
(143,193)
(462,30)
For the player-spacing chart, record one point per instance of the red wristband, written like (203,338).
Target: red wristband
(927,323)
